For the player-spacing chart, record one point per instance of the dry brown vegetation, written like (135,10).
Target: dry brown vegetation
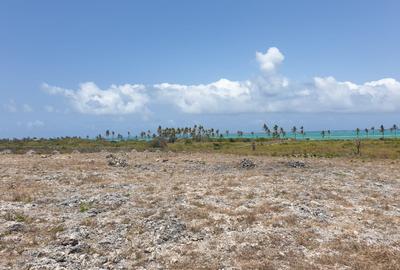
(199,210)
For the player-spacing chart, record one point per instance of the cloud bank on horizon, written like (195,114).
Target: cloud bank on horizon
(270,91)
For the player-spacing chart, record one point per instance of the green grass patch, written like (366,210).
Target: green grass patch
(84,207)
(387,148)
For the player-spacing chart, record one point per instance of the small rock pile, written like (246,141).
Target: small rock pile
(30,152)
(246,164)
(115,161)
(296,164)
(6,152)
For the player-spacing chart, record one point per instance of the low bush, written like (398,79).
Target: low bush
(158,143)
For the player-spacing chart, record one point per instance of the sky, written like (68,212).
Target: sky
(80,67)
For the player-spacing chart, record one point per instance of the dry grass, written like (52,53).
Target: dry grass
(333,214)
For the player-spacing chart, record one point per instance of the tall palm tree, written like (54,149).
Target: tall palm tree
(323,134)
(275,133)
(366,131)
(282,131)
(382,130)
(395,128)
(357,132)
(129,135)
(302,131)
(373,130)
(113,134)
(294,130)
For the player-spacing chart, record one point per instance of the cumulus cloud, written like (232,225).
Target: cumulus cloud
(209,98)
(117,99)
(268,92)
(270,60)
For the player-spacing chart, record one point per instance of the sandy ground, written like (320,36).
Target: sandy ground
(192,211)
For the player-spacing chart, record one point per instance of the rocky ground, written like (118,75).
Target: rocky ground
(191,211)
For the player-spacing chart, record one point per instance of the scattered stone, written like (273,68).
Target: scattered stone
(79,248)
(58,257)
(6,152)
(69,242)
(55,152)
(15,227)
(191,210)
(30,152)
(167,229)
(296,164)
(116,161)
(247,164)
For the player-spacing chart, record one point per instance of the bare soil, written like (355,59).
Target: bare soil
(195,211)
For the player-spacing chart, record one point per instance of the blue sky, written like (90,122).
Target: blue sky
(80,67)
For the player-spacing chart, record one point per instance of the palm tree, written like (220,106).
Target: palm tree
(107,133)
(266,129)
(382,130)
(357,132)
(395,128)
(282,131)
(329,132)
(366,131)
(302,131)
(294,130)
(323,134)
(373,130)
(275,133)
(129,135)
(113,134)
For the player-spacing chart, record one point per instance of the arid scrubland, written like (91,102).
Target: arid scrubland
(164,210)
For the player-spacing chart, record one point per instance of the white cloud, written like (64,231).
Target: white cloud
(269,92)
(13,107)
(270,60)
(49,108)
(35,124)
(27,108)
(211,98)
(10,107)
(90,99)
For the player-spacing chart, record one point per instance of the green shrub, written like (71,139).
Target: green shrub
(84,206)
(217,146)
(158,143)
